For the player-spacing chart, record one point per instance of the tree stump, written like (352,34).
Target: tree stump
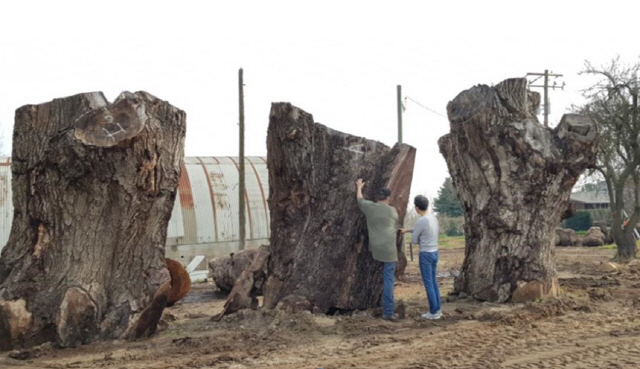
(594,237)
(93,188)
(566,237)
(514,178)
(319,249)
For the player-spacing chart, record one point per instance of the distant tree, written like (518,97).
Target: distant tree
(447,202)
(612,103)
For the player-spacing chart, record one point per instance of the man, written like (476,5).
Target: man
(425,233)
(382,224)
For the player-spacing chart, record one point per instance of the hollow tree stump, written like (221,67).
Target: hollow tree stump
(319,250)
(93,188)
(514,178)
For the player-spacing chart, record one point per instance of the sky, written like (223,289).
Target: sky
(338,60)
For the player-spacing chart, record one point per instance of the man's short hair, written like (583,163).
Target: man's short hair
(384,193)
(421,202)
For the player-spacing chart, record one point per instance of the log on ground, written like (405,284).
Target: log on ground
(248,285)
(225,270)
(93,186)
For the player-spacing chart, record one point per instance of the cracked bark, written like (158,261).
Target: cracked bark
(94,185)
(513,177)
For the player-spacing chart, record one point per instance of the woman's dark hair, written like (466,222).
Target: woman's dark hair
(421,202)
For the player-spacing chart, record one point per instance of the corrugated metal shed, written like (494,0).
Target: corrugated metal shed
(204,220)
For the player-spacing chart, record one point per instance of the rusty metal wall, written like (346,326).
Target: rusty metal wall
(204,220)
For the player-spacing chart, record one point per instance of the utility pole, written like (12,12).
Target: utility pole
(399,114)
(546,87)
(400,108)
(241,189)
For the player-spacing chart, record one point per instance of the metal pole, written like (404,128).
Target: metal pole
(241,189)
(399,89)
(546,98)
(399,114)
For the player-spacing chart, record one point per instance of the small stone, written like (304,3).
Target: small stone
(607,267)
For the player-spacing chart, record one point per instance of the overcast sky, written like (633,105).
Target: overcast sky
(340,61)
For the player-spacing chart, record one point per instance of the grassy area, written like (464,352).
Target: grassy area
(453,242)
(443,241)
(613,246)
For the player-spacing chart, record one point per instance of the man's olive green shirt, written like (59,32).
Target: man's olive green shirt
(383,224)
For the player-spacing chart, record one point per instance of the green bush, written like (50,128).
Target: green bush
(581,221)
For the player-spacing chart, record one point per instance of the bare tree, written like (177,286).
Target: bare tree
(613,106)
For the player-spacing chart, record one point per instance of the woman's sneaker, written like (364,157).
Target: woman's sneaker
(430,316)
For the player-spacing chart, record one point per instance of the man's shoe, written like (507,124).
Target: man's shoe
(430,316)
(392,318)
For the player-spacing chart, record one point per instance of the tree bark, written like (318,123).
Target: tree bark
(93,188)
(626,245)
(319,249)
(514,178)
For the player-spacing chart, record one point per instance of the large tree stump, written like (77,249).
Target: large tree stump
(93,188)
(514,178)
(319,249)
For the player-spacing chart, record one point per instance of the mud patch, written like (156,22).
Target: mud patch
(587,282)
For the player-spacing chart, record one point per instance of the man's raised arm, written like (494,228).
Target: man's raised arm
(359,185)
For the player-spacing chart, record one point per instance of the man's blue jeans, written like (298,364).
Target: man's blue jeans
(388,280)
(428,263)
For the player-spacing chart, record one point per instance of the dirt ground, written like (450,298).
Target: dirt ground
(595,324)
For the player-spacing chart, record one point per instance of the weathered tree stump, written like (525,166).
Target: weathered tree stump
(514,178)
(594,237)
(566,237)
(93,188)
(319,249)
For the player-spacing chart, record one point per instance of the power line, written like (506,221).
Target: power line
(546,88)
(424,106)
(479,110)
